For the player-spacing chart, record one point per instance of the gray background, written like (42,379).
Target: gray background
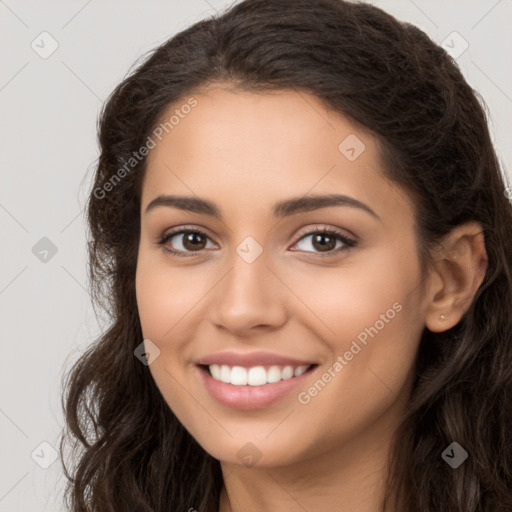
(49,108)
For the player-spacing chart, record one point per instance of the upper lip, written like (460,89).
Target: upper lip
(251,359)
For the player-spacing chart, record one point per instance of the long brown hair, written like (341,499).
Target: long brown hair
(129,450)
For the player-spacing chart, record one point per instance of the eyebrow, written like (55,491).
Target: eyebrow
(281,209)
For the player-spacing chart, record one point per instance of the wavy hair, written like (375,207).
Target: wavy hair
(129,451)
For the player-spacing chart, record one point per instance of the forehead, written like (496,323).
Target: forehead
(260,147)
(250,128)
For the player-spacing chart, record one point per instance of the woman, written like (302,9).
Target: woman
(300,229)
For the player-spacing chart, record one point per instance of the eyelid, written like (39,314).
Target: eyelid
(349,241)
(325,227)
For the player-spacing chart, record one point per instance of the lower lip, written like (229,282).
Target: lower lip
(252,397)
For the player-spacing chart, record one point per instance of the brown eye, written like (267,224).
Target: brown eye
(323,242)
(193,241)
(188,242)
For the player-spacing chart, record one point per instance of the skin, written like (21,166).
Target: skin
(245,151)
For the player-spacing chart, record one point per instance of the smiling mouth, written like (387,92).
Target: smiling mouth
(255,375)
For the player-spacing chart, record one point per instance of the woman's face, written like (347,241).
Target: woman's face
(310,337)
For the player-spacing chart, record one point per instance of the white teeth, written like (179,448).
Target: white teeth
(225,374)
(300,370)
(238,376)
(287,373)
(274,374)
(255,376)
(215,371)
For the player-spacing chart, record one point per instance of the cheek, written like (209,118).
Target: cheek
(375,319)
(164,297)
(166,294)
(371,314)
(383,308)
(341,302)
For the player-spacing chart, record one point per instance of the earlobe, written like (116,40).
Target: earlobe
(460,266)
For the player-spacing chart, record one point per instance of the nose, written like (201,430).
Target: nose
(250,296)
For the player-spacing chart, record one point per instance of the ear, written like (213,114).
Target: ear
(460,265)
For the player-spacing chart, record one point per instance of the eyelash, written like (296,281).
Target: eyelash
(348,242)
